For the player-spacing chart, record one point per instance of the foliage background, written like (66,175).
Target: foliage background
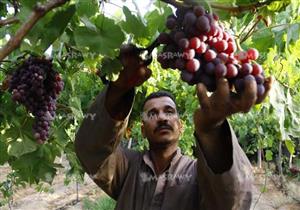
(84,42)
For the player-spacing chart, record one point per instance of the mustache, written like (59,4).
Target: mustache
(163,126)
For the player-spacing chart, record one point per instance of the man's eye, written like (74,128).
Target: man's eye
(151,114)
(170,112)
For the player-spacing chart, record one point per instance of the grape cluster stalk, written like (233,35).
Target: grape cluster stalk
(36,85)
(197,44)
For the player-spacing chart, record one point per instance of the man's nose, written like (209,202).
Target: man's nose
(162,116)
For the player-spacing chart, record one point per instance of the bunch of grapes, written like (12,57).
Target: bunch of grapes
(203,51)
(36,85)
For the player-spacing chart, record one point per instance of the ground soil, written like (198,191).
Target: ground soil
(269,193)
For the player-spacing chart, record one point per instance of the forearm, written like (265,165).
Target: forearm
(223,188)
(215,145)
(118,101)
(99,136)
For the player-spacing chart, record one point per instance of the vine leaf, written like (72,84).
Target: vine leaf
(134,25)
(56,26)
(104,40)
(87,8)
(21,146)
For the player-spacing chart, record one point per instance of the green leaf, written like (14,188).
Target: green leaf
(156,20)
(262,40)
(105,40)
(109,66)
(134,25)
(56,27)
(290,146)
(87,8)
(3,152)
(269,155)
(292,33)
(22,146)
(75,105)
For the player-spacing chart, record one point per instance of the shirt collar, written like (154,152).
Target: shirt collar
(147,160)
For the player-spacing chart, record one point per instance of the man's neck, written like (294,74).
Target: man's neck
(161,157)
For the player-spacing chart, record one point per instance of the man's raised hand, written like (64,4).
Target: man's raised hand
(223,102)
(134,72)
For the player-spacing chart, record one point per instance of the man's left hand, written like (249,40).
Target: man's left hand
(223,102)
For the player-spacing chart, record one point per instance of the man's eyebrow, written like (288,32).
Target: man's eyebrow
(151,110)
(169,106)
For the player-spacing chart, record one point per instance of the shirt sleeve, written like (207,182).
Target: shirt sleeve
(97,146)
(229,190)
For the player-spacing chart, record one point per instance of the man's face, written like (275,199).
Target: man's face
(161,124)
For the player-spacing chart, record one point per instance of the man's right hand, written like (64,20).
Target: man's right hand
(134,72)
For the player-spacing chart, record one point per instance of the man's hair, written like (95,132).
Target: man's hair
(158,94)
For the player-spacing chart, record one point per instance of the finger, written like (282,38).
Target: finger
(249,95)
(202,95)
(223,90)
(267,85)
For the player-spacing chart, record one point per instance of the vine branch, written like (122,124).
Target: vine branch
(241,8)
(232,9)
(39,11)
(9,21)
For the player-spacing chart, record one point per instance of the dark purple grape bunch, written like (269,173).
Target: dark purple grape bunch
(197,44)
(36,85)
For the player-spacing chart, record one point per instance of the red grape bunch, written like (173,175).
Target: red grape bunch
(203,51)
(36,85)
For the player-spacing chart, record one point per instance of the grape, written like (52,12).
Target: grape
(210,55)
(36,85)
(184,43)
(232,71)
(204,51)
(164,38)
(246,69)
(220,70)
(194,43)
(202,24)
(171,23)
(189,54)
(221,45)
(257,69)
(199,11)
(252,54)
(178,36)
(231,48)
(203,38)
(186,76)
(259,79)
(223,57)
(189,19)
(193,65)
(242,56)
(202,48)
(180,63)
(210,68)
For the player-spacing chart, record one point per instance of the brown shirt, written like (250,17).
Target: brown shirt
(129,177)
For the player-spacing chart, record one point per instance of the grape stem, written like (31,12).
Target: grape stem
(250,32)
(38,12)
(9,21)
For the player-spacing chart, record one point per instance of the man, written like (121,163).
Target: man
(162,178)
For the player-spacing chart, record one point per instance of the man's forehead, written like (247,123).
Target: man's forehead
(159,102)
